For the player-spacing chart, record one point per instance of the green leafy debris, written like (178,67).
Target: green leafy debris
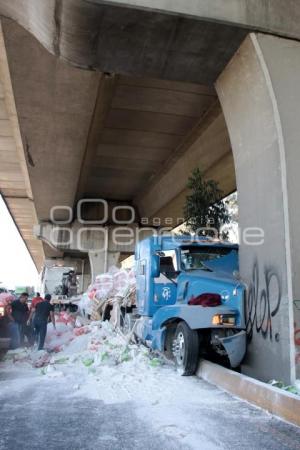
(88,362)
(155,362)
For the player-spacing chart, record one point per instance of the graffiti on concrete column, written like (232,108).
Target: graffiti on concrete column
(263,302)
(297,342)
(297,331)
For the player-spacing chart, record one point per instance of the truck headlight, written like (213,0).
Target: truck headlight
(223,319)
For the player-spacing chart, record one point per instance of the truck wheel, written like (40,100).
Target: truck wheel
(186,349)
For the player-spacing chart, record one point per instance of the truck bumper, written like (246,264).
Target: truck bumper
(235,347)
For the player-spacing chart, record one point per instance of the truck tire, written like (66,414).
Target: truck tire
(186,349)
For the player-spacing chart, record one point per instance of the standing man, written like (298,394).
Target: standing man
(20,312)
(42,311)
(37,299)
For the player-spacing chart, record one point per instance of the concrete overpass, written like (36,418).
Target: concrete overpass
(121,99)
(119,137)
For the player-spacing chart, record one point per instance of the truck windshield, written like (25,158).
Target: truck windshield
(195,258)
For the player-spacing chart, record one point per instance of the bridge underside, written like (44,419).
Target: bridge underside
(130,132)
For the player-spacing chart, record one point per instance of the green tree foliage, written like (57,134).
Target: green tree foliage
(204,207)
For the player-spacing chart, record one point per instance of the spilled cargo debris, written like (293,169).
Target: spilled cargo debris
(89,345)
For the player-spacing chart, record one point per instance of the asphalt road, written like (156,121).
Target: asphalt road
(44,414)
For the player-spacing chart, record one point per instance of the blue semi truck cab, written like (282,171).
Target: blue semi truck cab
(190,301)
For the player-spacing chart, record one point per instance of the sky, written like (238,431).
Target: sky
(16,265)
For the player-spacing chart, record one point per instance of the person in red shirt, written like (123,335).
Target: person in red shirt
(37,299)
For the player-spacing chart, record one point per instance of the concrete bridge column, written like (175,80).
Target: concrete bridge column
(100,262)
(260,95)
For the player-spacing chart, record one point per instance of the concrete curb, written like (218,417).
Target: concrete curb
(276,401)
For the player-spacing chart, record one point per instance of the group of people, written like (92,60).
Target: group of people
(30,322)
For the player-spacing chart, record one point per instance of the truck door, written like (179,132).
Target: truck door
(165,287)
(141,284)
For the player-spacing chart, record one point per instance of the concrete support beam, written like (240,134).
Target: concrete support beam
(15,184)
(106,89)
(102,261)
(273,17)
(85,239)
(97,242)
(260,96)
(65,27)
(104,246)
(208,147)
(111,37)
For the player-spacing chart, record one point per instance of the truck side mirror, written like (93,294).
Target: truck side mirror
(155,266)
